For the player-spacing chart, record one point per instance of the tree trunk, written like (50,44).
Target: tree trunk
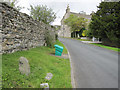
(75,34)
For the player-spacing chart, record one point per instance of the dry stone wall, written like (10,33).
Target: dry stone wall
(20,31)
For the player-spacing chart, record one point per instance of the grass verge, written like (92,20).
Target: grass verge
(0,71)
(107,47)
(84,39)
(79,39)
(41,63)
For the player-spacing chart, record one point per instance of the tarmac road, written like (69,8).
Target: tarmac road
(93,66)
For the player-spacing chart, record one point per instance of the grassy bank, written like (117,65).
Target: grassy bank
(41,63)
(107,47)
(84,39)
(79,39)
(0,71)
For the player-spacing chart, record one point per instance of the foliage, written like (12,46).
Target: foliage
(105,22)
(42,13)
(84,33)
(41,63)
(49,39)
(56,36)
(58,27)
(77,24)
(13,3)
(89,33)
(0,71)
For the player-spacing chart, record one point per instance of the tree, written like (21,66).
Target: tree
(105,22)
(13,3)
(77,24)
(84,33)
(57,28)
(42,13)
(89,33)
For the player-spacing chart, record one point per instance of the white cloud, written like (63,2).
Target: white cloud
(64,0)
(59,6)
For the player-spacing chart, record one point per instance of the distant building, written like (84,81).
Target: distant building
(65,30)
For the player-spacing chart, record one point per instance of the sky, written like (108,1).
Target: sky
(59,6)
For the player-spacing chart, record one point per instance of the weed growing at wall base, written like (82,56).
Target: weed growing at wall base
(49,39)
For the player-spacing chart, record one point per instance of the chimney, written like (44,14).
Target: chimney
(68,9)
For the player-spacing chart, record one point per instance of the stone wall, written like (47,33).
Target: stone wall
(20,31)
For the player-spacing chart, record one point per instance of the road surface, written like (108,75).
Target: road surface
(93,66)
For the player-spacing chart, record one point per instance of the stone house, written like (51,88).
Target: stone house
(65,30)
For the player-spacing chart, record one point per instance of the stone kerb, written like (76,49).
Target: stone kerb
(20,31)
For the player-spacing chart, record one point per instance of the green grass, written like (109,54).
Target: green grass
(107,47)
(0,71)
(84,39)
(41,63)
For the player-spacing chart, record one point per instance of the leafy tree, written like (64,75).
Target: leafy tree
(58,27)
(89,33)
(84,33)
(105,22)
(77,24)
(13,3)
(42,13)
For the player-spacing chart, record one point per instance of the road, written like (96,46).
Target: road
(93,66)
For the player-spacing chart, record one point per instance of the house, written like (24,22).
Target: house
(65,30)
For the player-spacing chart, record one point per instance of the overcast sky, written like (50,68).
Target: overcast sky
(59,6)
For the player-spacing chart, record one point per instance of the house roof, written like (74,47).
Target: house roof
(82,15)
(78,14)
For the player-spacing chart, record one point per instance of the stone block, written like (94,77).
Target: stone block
(44,85)
(9,42)
(24,67)
(49,76)
(10,36)
(4,48)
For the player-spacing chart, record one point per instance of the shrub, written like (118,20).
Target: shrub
(49,39)
(56,36)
